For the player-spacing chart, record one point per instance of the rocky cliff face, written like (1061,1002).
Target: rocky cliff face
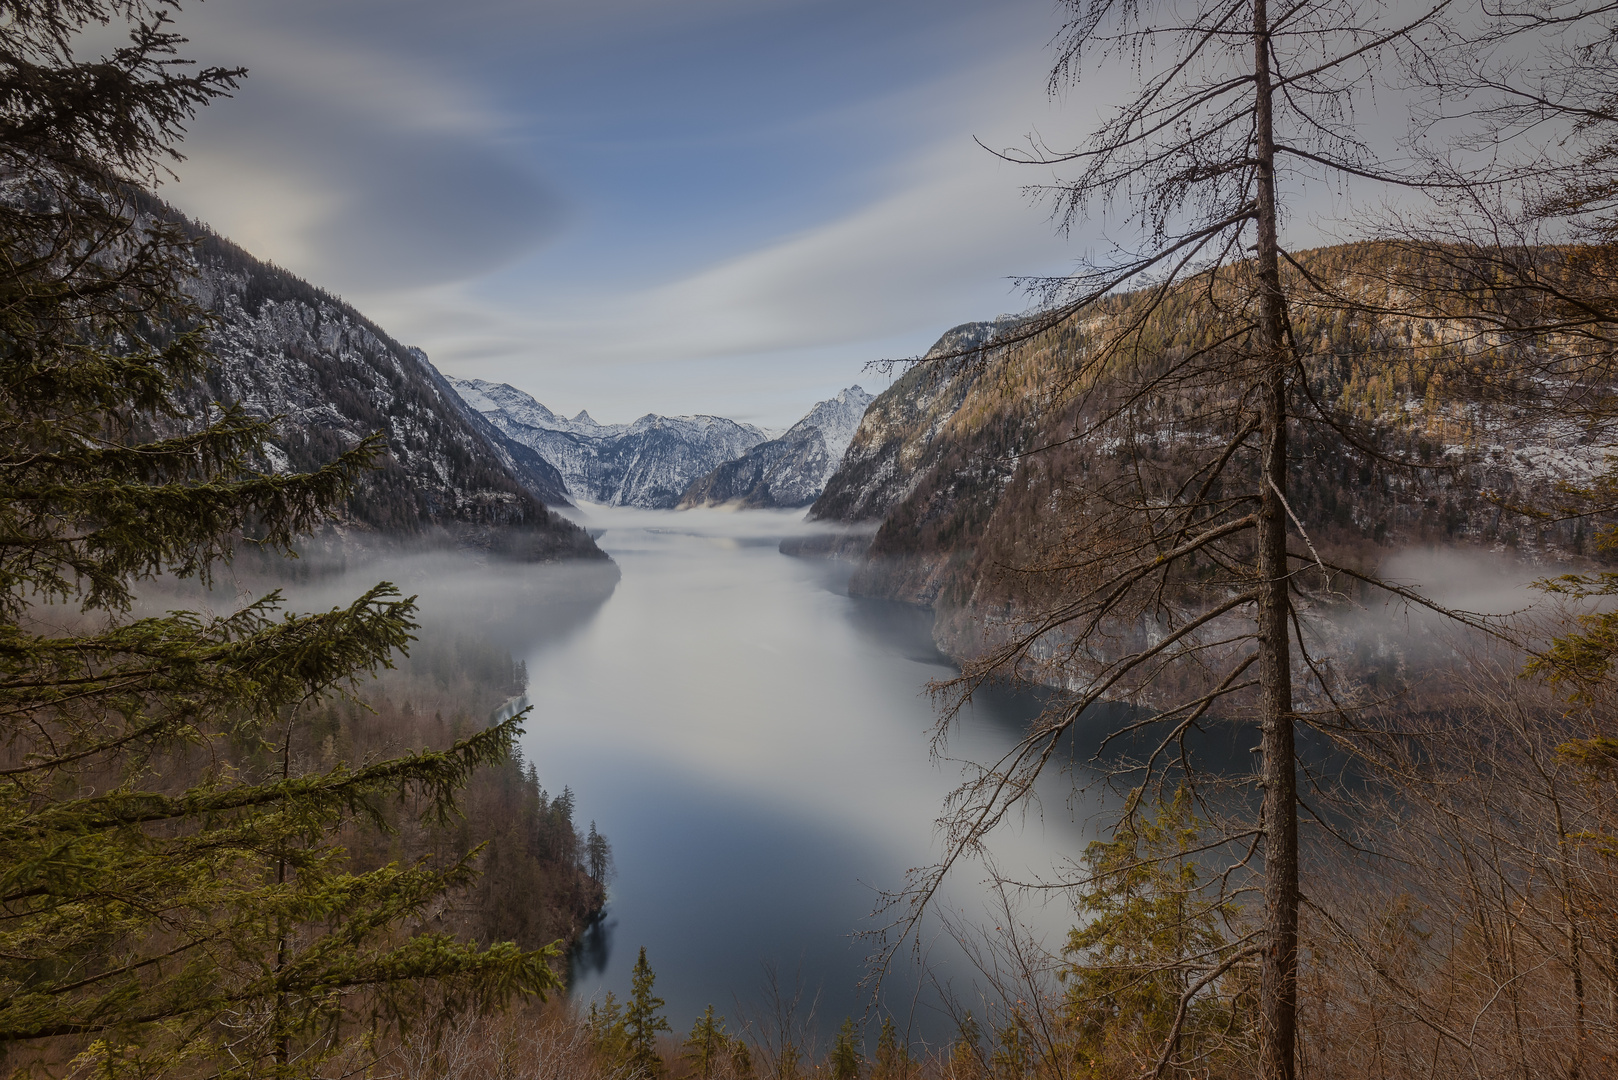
(900,434)
(969,469)
(648,463)
(286,349)
(790,471)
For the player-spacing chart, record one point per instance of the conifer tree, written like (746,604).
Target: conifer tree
(741,1059)
(706,1045)
(787,1061)
(966,1052)
(606,1026)
(845,1055)
(643,1019)
(154,920)
(892,1061)
(1147,967)
(598,854)
(1013,1058)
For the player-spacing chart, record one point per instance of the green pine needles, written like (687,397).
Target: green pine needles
(161,910)
(626,1034)
(1153,975)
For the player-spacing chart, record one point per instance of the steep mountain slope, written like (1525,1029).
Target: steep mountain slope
(891,451)
(972,469)
(287,349)
(648,463)
(792,470)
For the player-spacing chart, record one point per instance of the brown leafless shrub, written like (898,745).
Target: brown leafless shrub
(1478,934)
(544,1042)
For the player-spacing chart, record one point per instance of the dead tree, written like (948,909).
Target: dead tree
(1178,575)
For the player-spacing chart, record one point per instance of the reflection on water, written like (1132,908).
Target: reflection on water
(755,744)
(593,949)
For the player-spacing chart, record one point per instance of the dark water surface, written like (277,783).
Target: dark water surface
(754,743)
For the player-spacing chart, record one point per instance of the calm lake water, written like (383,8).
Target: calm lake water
(754,743)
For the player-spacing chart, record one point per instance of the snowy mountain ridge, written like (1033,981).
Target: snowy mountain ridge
(326,377)
(647,463)
(791,470)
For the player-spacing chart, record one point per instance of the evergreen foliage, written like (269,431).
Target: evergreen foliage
(966,1052)
(643,1019)
(1013,1058)
(706,1046)
(151,921)
(608,1035)
(625,1034)
(741,1060)
(1151,941)
(892,1061)
(845,1056)
(598,854)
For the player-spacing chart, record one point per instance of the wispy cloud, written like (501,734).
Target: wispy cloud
(555,193)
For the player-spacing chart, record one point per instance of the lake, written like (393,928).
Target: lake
(755,744)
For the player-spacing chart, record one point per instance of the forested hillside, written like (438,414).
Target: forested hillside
(972,468)
(535,886)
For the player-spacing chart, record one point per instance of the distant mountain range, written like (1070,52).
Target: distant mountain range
(660,462)
(791,470)
(469,462)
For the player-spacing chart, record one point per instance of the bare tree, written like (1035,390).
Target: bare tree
(1174,572)
(1480,942)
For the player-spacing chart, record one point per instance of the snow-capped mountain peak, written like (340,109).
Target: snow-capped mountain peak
(790,470)
(646,463)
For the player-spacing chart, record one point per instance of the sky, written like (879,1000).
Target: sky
(633,206)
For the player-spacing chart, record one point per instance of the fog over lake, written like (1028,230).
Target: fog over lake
(755,745)
(753,742)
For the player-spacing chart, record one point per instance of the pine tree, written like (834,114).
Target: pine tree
(158,912)
(845,1055)
(892,1057)
(608,1036)
(1013,1057)
(741,1060)
(643,1020)
(966,1052)
(598,854)
(1150,958)
(787,1061)
(705,1047)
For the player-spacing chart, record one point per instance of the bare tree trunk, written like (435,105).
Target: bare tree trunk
(1278,986)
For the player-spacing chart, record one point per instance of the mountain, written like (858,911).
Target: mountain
(964,468)
(287,350)
(648,463)
(789,471)
(902,430)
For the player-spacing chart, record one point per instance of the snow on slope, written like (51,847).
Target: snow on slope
(648,463)
(791,470)
(327,376)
